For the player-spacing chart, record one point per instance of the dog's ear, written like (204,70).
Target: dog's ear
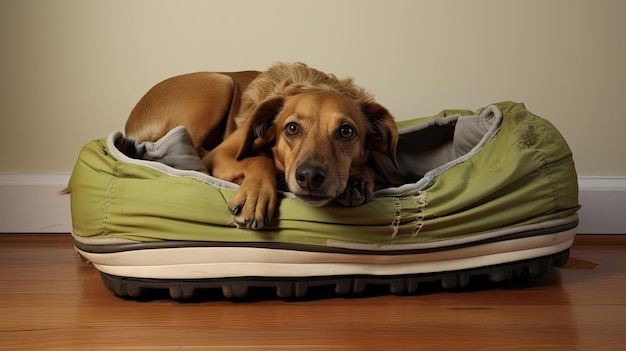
(260,126)
(383,133)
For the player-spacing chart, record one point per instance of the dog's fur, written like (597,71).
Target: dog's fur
(317,130)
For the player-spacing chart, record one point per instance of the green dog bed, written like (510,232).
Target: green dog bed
(492,193)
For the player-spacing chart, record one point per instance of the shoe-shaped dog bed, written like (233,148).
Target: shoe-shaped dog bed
(492,193)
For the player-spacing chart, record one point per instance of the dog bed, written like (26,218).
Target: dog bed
(492,193)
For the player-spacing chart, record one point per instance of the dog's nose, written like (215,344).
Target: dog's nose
(310,177)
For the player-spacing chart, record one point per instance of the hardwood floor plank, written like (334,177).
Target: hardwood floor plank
(51,300)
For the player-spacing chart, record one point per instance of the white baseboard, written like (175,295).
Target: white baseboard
(603,201)
(30,203)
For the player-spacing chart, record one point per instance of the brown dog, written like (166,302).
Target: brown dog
(319,131)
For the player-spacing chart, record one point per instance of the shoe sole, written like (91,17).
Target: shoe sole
(183,270)
(298,287)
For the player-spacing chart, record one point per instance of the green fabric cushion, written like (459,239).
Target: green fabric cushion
(523,174)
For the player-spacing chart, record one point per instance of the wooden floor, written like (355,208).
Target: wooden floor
(50,300)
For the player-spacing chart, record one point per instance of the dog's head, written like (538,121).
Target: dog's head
(319,139)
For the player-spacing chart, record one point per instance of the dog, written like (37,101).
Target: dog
(323,134)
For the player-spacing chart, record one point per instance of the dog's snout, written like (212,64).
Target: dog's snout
(310,177)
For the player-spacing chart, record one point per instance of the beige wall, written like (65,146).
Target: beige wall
(72,70)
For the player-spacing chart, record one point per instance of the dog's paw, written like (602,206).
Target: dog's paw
(358,192)
(253,205)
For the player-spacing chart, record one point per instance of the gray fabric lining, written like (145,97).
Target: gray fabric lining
(174,149)
(173,154)
(426,150)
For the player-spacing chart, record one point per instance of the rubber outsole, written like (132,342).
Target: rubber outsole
(299,287)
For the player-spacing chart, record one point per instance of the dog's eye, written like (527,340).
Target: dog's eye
(292,128)
(346,132)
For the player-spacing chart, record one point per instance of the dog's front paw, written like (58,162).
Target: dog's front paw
(254,203)
(358,192)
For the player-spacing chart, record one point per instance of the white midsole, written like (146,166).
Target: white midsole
(225,262)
